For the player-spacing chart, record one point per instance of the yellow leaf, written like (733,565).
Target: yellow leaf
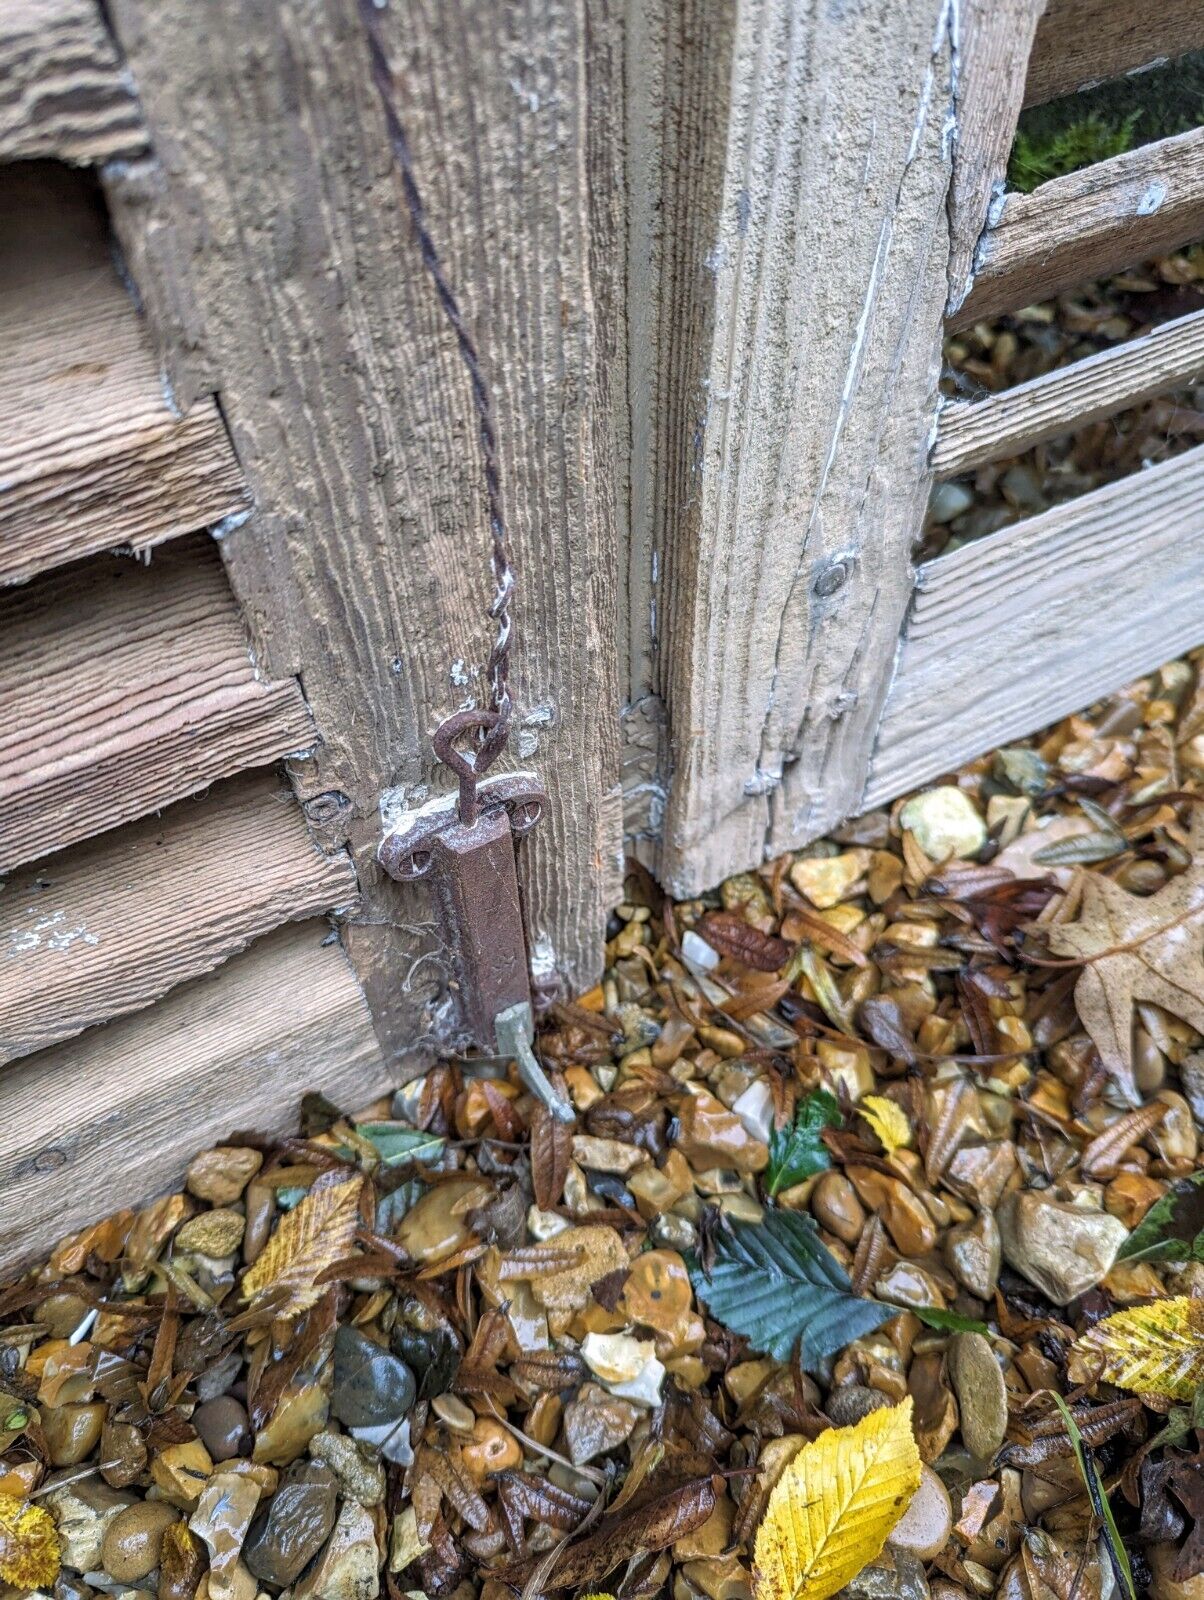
(834,1505)
(318,1232)
(887,1120)
(29,1544)
(1154,1349)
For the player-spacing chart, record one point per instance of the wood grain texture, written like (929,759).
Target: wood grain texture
(976,431)
(1089,224)
(1084,42)
(112,925)
(123,687)
(1021,627)
(994,41)
(366,568)
(62,91)
(114,1117)
(92,455)
(795,490)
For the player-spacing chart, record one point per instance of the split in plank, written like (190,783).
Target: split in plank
(972,432)
(1080,43)
(1032,622)
(126,686)
(113,1118)
(114,924)
(1088,224)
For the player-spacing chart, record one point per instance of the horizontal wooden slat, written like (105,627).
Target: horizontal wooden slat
(1084,42)
(1088,224)
(114,1117)
(1039,619)
(974,431)
(125,686)
(62,90)
(92,456)
(114,924)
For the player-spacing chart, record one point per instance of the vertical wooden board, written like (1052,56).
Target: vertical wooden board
(789,577)
(366,569)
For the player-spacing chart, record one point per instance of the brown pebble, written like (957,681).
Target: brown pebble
(223,1427)
(835,1206)
(133,1539)
(982,1396)
(221,1175)
(72,1431)
(62,1313)
(851,1402)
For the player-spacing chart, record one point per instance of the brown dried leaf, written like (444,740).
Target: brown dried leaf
(732,936)
(881,1018)
(1100,1158)
(318,1232)
(551,1151)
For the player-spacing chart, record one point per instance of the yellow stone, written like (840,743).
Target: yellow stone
(825,880)
(181,1472)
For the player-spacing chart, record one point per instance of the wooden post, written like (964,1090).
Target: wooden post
(365,566)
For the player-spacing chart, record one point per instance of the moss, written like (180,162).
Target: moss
(1036,158)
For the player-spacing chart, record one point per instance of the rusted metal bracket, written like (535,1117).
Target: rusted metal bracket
(464,846)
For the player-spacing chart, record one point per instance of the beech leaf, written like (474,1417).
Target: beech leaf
(1137,948)
(774,1282)
(888,1121)
(1151,1349)
(318,1232)
(29,1545)
(833,1507)
(1173,1228)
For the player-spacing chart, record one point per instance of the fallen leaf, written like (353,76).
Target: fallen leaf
(732,936)
(29,1545)
(833,1507)
(799,1152)
(318,1232)
(887,1120)
(1137,948)
(1173,1228)
(1151,1349)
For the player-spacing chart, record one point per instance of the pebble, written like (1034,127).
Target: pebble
(371,1385)
(72,1431)
(835,1206)
(627,1366)
(657,1292)
(392,1439)
(62,1313)
(907,1221)
(360,1475)
(438,1225)
(181,1563)
(1175,1136)
(299,1415)
(223,1427)
(974,1254)
(1162,1558)
(755,1109)
(709,1135)
(906,1284)
(944,822)
(133,1538)
(851,1402)
(180,1472)
(221,1175)
(349,1567)
(894,1575)
(222,1519)
(83,1512)
(925,1526)
(949,500)
(450,1409)
(826,880)
(212,1233)
(982,1397)
(493,1449)
(1191,1076)
(299,1518)
(607,1155)
(1057,1245)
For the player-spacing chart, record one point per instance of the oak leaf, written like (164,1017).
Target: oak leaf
(887,1120)
(1149,948)
(1151,1349)
(833,1507)
(29,1545)
(318,1232)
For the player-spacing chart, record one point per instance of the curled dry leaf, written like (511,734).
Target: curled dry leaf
(318,1232)
(1101,1156)
(29,1545)
(1153,1349)
(732,936)
(833,1507)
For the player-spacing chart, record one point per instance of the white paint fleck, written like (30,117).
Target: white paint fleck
(53,931)
(461,674)
(227,525)
(543,957)
(1151,199)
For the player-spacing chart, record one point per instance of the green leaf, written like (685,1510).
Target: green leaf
(397,1142)
(1173,1228)
(947,1321)
(1117,1553)
(799,1152)
(774,1282)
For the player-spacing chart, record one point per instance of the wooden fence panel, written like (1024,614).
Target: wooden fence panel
(365,568)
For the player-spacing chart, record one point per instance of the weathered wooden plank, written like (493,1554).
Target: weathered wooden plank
(1083,42)
(114,924)
(795,473)
(114,1117)
(123,687)
(1023,626)
(62,91)
(367,569)
(994,40)
(1088,224)
(974,431)
(92,455)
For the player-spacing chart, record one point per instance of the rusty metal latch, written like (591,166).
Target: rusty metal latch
(464,846)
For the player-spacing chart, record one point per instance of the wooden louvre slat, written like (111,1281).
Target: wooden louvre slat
(114,1117)
(1088,224)
(975,431)
(92,456)
(62,90)
(123,687)
(113,924)
(1032,622)
(1084,42)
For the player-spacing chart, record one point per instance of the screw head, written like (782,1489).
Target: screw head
(832,576)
